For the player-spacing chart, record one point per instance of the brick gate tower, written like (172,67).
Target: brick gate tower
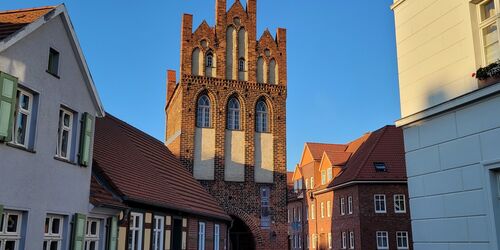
(226,120)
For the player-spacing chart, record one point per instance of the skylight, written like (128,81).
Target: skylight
(380,166)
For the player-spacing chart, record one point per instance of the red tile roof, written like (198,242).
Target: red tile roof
(338,158)
(143,170)
(384,145)
(289,178)
(100,196)
(317,149)
(12,21)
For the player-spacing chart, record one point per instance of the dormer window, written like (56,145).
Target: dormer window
(380,166)
(241,65)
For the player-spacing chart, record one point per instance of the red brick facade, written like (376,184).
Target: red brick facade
(240,199)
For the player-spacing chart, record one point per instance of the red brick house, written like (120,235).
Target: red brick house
(360,200)
(161,206)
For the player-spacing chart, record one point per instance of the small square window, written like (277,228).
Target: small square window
(53,67)
(380,166)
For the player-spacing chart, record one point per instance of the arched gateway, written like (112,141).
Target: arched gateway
(241,238)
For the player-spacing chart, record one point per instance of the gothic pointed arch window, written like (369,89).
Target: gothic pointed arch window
(273,72)
(203,117)
(197,62)
(241,65)
(261,117)
(233,114)
(210,64)
(261,70)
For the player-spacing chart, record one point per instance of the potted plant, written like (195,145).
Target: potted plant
(488,75)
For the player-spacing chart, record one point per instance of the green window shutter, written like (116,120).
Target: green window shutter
(113,234)
(78,237)
(8,90)
(86,139)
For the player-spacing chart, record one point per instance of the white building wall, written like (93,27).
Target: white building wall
(449,183)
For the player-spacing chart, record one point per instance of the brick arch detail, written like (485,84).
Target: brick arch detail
(250,221)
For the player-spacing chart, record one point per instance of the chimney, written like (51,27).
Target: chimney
(171,84)
(220,12)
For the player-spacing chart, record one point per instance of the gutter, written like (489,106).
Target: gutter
(355,183)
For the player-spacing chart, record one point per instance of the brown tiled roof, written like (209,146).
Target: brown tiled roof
(100,196)
(338,158)
(143,170)
(12,21)
(317,149)
(289,178)
(384,145)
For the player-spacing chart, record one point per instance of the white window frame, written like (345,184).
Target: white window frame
(403,235)
(132,229)
(158,232)
(28,113)
(322,210)
(307,183)
(380,198)
(216,237)
(262,117)
(351,240)
(312,182)
(300,241)
(234,114)
(349,204)
(61,130)
(382,235)
(89,237)
(329,209)
(344,240)
(314,241)
(397,207)
(49,236)
(342,206)
(313,214)
(11,236)
(329,174)
(482,24)
(204,112)
(201,235)
(323,177)
(329,240)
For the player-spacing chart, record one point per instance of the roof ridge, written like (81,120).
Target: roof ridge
(27,9)
(366,156)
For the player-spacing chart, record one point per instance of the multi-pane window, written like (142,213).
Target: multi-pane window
(10,230)
(241,64)
(322,210)
(329,240)
(349,204)
(342,206)
(344,240)
(92,234)
(323,177)
(402,240)
(329,208)
(351,240)
(380,203)
(488,26)
(233,114)
(65,133)
(261,118)
(216,237)
(158,232)
(382,240)
(201,236)
(53,67)
(265,218)
(329,174)
(23,118)
(203,112)
(210,60)
(135,231)
(399,203)
(53,235)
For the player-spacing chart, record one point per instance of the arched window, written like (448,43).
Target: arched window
(261,117)
(231,53)
(210,60)
(233,114)
(261,70)
(203,115)
(241,65)
(210,64)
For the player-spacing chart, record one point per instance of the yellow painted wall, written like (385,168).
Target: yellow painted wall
(204,154)
(264,158)
(235,156)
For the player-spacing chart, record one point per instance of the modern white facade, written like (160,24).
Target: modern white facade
(451,127)
(45,169)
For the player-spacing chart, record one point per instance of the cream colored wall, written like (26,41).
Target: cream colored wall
(197,61)
(204,154)
(231,66)
(122,238)
(235,156)
(436,55)
(264,157)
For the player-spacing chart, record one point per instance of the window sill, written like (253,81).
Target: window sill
(13,145)
(52,74)
(57,158)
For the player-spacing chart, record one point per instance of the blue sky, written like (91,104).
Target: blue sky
(342,70)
